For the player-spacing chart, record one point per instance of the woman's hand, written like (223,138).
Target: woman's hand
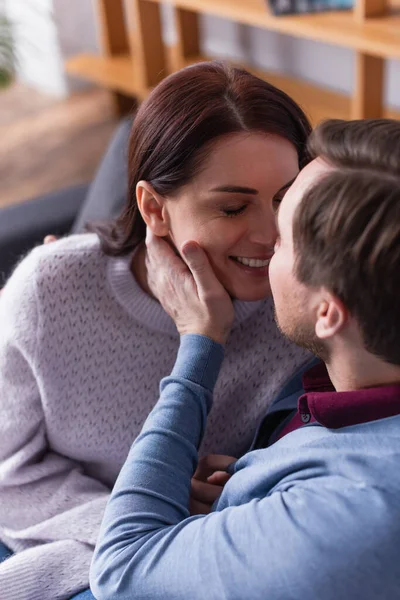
(49,239)
(190,293)
(208,482)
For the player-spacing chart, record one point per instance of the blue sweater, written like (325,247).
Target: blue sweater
(316,516)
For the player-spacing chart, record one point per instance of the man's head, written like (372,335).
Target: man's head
(336,270)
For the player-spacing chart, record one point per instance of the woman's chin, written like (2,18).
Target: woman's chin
(249,295)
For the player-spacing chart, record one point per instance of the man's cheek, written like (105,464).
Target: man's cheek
(272,272)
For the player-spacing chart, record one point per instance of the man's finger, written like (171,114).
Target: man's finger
(199,265)
(205,492)
(199,508)
(158,250)
(211,463)
(219,478)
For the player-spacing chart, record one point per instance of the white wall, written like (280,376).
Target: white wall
(38,50)
(77,29)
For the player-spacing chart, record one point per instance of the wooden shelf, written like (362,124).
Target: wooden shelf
(117,73)
(319,103)
(135,58)
(379,36)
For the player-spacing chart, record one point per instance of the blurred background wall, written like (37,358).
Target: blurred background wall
(37,45)
(52,137)
(73,29)
(323,64)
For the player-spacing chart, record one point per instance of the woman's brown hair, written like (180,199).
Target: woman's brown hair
(175,126)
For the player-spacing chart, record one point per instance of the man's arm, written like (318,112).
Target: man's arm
(288,532)
(147,536)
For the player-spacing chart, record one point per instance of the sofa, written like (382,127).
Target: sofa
(67,211)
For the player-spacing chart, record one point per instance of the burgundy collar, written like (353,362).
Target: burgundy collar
(333,409)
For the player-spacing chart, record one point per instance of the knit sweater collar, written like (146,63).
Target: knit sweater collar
(148,311)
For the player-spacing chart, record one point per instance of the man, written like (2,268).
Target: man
(313,512)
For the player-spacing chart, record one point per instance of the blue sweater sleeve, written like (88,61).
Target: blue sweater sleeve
(151,496)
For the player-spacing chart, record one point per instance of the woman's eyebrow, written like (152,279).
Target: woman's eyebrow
(235,189)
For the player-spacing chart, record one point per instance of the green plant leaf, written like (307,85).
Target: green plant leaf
(7,52)
(5,78)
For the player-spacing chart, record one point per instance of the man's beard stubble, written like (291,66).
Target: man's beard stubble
(302,333)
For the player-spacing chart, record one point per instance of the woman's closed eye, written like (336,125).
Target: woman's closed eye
(233,212)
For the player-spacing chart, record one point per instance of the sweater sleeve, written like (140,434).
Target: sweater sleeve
(149,546)
(50,510)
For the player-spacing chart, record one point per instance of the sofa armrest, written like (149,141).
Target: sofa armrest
(23,226)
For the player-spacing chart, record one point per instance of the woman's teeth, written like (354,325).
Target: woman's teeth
(253,262)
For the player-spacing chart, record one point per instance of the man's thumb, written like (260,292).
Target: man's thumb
(193,255)
(200,267)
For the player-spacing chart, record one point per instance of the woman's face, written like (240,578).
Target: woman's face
(228,208)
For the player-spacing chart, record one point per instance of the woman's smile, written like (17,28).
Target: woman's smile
(254,266)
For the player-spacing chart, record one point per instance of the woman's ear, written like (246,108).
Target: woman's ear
(152,208)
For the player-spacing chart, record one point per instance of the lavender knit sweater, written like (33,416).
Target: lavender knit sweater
(82,352)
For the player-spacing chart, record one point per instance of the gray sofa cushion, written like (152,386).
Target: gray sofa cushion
(109,189)
(24,225)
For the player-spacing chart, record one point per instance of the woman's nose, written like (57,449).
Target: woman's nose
(263,229)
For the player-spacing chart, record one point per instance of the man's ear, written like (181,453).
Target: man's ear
(152,208)
(332,316)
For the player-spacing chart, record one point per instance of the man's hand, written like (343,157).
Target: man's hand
(208,482)
(190,293)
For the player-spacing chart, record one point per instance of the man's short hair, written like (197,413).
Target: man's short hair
(346,229)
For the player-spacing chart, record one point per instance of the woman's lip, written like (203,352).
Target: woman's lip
(264,257)
(252,271)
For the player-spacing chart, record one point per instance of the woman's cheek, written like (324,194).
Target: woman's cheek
(219,238)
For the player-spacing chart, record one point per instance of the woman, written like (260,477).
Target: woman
(84,344)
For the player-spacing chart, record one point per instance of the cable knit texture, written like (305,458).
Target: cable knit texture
(82,352)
